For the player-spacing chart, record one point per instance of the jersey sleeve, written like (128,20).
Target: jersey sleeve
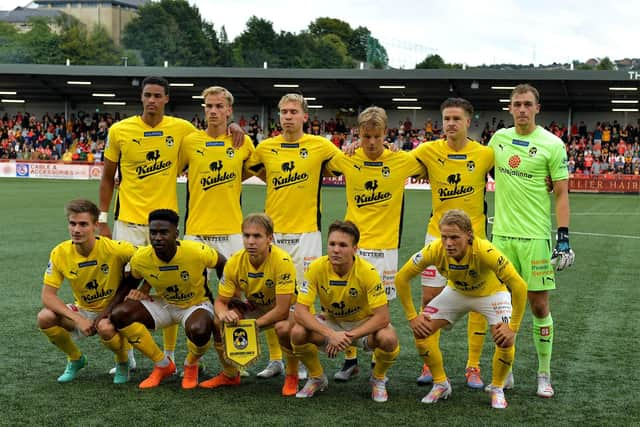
(112,145)
(227,285)
(286,278)
(209,256)
(308,289)
(416,264)
(376,295)
(255,163)
(185,149)
(558,163)
(337,164)
(135,265)
(53,276)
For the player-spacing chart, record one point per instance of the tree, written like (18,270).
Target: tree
(174,31)
(255,44)
(225,50)
(605,64)
(435,61)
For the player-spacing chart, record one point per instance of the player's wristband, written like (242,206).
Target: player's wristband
(563,234)
(103,217)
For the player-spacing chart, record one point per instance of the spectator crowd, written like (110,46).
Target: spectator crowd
(608,148)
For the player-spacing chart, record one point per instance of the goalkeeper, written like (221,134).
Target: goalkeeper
(524,155)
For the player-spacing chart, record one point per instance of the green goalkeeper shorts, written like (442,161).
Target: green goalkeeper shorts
(531,258)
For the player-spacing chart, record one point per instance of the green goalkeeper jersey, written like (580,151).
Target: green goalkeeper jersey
(522,162)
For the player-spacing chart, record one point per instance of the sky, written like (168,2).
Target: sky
(471,32)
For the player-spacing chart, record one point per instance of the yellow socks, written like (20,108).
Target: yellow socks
(140,337)
(61,338)
(308,354)
(384,360)
(476,331)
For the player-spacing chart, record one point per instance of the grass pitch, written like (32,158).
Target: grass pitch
(595,309)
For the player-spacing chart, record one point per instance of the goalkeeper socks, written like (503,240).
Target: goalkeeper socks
(61,338)
(543,341)
(476,331)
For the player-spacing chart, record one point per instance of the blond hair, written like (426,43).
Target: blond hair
(457,217)
(218,90)
(260,219)
(294,97)
(373,118)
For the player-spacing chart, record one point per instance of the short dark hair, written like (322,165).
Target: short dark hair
(346,227)
(164,215)
(157,80)
(81,206)
(457,102)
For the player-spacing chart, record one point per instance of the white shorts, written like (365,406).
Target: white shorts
(89,315)
(225,244)
(303,248)
(431,276)
(165,314)
(345,326)
(386,263)
(451,305)
(136,234)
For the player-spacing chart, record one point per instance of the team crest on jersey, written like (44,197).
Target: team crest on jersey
(104,268)
(269,283)
(304,153)
(169,141)
(184,275)
(471,165)
(533,151)
(386,171)
(353,292)
(230,152)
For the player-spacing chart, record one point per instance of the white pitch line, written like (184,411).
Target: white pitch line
(621,236)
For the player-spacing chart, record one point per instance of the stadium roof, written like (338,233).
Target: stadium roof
(561,90)
(21,14)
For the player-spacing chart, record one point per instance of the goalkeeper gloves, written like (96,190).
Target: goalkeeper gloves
(562,256)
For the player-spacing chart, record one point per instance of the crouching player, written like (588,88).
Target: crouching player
(266,275)
(354,312)
(94,266)
(176,270)
(479,279)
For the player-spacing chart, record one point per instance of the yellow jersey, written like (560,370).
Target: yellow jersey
(276,276)
(458,181)
(294,177)
(375,194)
(214,185)
(95,278)
(183,280)
(483,271)
(346,298)
(147,160)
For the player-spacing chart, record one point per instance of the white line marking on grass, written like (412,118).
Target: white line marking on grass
(621,236)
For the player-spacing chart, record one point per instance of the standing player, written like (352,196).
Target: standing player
(94,267)
(216,172)
(176,270)
(458,168)
(266,276)
(144,150)
(291,164)
(375,178)
(480,278)
(355,312)
(524,156)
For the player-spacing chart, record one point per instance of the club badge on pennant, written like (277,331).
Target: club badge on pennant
(241,346)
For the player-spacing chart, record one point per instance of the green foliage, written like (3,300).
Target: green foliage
(605,64)
(591,351)
(435,61)
(174,31)
(256,44)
